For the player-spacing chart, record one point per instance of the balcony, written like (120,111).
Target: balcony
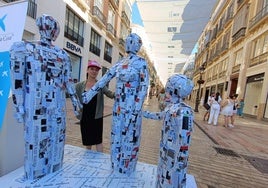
(98,17)
(259,59)
(222,74)
(111,32)
(122,42)
(259,18)
(238,35)
(236,68)
(84,5)
(125,18)
(240,2)
(115,4)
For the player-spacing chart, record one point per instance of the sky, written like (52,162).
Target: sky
(136,17)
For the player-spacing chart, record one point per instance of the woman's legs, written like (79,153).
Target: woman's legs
(211,115)
(99,147)
(216,116)
(225,121)
(233,118)
(205,116)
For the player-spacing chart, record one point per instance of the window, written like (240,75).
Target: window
(238,57)
(99,4)
(32,8)
(261,4)
(110,24)
(95,43)
(124,32)
(265,46)
(108,52)
(111,17)
(74,28)
(260,45)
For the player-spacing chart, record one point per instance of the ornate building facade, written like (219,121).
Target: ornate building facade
(233,50)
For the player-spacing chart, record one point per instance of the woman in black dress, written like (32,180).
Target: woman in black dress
(91,121)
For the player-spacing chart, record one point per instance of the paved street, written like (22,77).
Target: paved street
(219,156)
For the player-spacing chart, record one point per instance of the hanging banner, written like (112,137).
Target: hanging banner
(12,20)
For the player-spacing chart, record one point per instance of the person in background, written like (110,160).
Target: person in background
(240,108)
(227,111)
(207,106)
(91,120)
(161,99)
(215,109)
(235,103)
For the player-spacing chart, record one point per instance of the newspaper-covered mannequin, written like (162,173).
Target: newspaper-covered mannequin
(41,72)
(176,133)
(132,82)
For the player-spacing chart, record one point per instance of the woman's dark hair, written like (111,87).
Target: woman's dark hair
(217,96)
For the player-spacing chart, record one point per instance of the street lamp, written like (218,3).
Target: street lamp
(200,82)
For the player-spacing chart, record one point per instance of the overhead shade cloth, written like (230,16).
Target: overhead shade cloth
(173,28)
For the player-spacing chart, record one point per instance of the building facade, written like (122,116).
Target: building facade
(90,29)
(233,54)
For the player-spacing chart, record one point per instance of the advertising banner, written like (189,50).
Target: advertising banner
(12,20)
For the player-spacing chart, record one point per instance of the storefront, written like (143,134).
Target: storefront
(76,64)
(253,94)
(74,51)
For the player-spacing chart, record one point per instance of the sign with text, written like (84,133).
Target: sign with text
(12,20)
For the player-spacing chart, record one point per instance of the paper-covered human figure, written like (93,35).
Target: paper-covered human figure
(132,82)
(175,134)
(41,73)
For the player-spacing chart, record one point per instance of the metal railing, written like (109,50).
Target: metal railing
(259,16)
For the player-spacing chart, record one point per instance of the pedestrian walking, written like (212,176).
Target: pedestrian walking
(207,106)
(215,109)
(240,108)
(162,99)
(227,111)
(235,104)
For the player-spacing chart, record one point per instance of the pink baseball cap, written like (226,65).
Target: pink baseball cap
(93,64)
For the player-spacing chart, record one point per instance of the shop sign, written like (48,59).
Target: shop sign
(73,48)
(256,78)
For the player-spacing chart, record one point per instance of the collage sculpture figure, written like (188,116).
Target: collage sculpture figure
(40,74)
(132,82)
(175,134)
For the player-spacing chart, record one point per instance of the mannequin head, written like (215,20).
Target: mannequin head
(178,86)
(133,43)
(49,28)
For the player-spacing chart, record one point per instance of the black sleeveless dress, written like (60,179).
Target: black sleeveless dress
(91,128)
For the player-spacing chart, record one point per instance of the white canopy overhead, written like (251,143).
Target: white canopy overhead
(173,28)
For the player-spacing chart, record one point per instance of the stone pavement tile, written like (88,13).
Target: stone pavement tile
(211,167)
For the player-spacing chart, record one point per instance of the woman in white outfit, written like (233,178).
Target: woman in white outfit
(227,111)
(215,109)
